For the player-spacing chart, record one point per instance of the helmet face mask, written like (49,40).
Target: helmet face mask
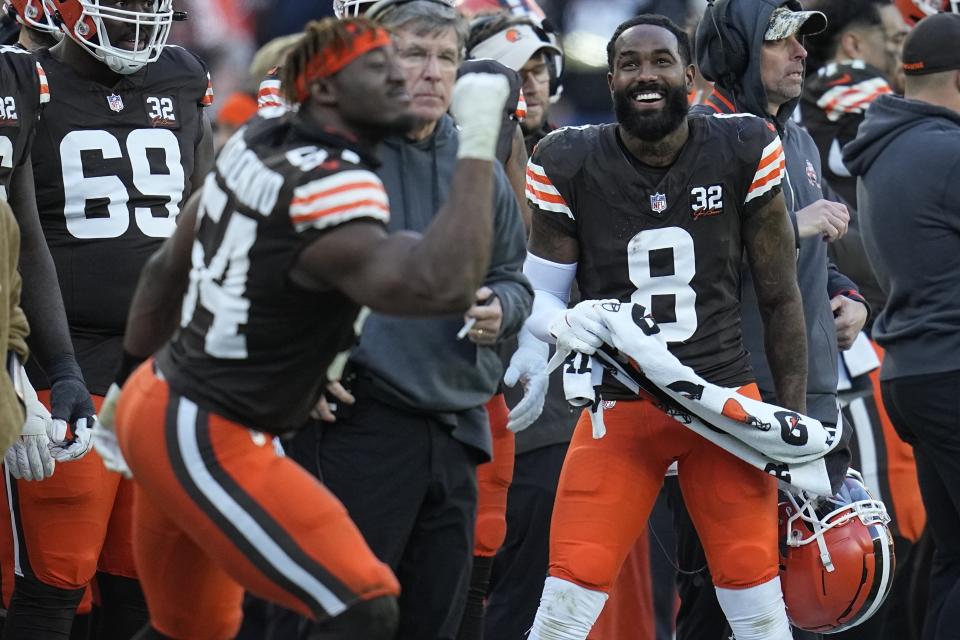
(33,15)
(351,8)
(837,557)
(89,24)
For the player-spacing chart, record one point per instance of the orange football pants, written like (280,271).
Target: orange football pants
(218,511)
(493,483)
(83,501)
(608,487)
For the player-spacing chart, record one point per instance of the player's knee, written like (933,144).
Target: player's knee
(490,531)
(591,564)
(374,619)
(745,565)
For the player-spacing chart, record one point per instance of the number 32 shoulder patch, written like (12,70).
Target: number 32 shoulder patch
(162,111)
(706,201)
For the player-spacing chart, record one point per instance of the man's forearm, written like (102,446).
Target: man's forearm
(40,299)
(785,344)
(155,310)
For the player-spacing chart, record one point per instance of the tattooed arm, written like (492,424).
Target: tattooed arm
(548,240)
(769,240)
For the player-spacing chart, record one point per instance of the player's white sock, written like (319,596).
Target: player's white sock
(756,613)
(567,611)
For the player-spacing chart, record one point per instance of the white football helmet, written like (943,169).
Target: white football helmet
(86,22)
(32,14)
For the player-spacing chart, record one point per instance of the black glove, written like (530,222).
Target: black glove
(69,399)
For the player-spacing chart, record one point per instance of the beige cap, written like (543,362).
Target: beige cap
(785,23)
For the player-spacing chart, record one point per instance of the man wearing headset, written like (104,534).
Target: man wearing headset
(752,51)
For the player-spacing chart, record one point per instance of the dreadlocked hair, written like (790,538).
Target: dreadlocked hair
(320,37)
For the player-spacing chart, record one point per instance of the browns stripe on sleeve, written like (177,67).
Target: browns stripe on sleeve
(270,102)
(339,198)
(44,85)
(770,171)
(207,99)
(542,193)
(845,99)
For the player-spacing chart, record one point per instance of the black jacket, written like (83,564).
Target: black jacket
(418,364)
(906,158)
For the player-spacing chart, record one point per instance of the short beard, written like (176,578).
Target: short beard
(654,126)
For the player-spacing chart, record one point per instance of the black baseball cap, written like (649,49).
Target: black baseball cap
(932,46)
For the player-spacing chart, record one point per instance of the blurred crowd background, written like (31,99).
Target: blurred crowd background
(227,33)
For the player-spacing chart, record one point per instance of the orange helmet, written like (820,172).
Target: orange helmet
(32,13)
(916,10)
(836,557)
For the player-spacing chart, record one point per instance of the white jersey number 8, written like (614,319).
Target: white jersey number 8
(671,279)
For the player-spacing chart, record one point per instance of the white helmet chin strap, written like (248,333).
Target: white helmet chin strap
(122,66)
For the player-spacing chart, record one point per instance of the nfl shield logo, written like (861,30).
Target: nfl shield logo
(658,202)
(115,102)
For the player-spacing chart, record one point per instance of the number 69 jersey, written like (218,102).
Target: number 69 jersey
(667,238)
(112,167)
(23,92)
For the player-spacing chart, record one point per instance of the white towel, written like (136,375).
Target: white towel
(778,441)
(581,387)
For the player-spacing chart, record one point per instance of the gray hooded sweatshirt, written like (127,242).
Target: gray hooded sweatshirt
(418,364)
(819,280)
(906,157)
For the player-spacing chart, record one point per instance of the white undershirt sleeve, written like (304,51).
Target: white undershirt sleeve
(551,283)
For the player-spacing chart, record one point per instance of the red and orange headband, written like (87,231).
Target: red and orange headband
(333,59)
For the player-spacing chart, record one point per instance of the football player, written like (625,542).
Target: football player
(289,241)
(25,91)
(658,209)
(119,148)
(37,28)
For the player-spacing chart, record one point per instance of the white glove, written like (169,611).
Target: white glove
(28,458)
(65,446)
(105,437)
(477,106)
(528,365)
(580,329)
